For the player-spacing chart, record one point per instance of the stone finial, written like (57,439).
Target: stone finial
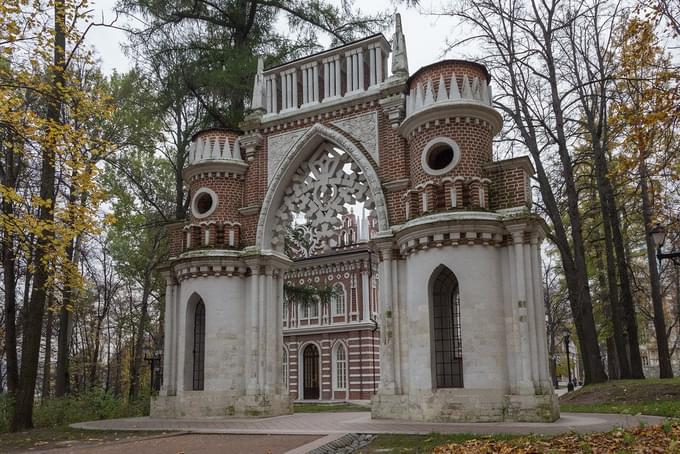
(257,101)
(399,58)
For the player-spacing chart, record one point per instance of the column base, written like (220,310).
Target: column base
(463,405)
(196,404)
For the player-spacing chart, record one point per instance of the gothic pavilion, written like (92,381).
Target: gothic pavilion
(356,240)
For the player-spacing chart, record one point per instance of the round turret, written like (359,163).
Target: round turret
(214,175)
(449,126)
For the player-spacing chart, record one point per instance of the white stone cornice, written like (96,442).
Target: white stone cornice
(462,108)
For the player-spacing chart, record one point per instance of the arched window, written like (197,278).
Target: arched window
(446,336)
(284,369)
(339,298)
(340,368)
(314,307)
(199,347)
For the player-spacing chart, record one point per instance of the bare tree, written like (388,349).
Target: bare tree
(523,43)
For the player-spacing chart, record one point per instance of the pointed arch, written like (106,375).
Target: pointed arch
(196,316)
(446,348)
(308,143)
(339,300)
(339,367)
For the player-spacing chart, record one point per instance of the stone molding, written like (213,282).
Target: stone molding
(236,167)
(396,185)
(250,142)
(394,108)
(278,146)
(452,109)
(522,162)
(364,129)
(249,210)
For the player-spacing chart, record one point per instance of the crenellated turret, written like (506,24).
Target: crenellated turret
(214,175)
(449,125)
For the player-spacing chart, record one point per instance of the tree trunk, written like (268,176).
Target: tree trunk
(47,361)
(611,218)
(22,417)
(9,280)
(617,316)
(665,369)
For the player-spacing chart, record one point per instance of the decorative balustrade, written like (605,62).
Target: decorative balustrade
(324,77)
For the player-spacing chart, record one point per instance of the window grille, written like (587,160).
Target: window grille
(199,346)
(448,354)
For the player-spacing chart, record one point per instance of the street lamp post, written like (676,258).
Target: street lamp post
(154,360)
(570,384)
(659,236)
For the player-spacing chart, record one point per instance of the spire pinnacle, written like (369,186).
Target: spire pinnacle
(257,101)
(399,58)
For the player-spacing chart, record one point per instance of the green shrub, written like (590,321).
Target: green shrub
(5,411)
(85,407)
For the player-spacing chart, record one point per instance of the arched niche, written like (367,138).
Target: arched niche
(305,147)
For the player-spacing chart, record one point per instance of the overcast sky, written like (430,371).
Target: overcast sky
(425,35)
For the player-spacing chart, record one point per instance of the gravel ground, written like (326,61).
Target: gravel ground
(193,443)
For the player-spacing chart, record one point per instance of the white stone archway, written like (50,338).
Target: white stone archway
(303,148)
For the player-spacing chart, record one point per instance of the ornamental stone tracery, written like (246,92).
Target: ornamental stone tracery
(320,192)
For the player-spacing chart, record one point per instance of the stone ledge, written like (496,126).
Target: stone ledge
(471,406)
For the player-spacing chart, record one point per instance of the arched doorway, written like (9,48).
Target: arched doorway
(447,353)
(310,370)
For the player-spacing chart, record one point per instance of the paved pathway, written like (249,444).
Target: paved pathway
(361,422)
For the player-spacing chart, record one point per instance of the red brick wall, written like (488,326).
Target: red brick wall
(473,138)
(508,187)
(229,190)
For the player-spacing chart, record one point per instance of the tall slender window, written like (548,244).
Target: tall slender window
(199,346)
(448,354)
(340,366)
(339,297)
(284,370)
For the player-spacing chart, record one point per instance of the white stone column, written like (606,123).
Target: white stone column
(251,331)
(509,310)
(169,338)
(271,321)
(280,388)
(338,76)
(396,323)
(261,335)
(372,73)
(524,382)
(531,314)
(378,65)
(181,368)
(294,104)
(315,80)
(305,90)
(326,79)
(387,385)
(542,335)
(360,73)
(349,69)
(365,296)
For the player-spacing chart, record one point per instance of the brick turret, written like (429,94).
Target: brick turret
(214,176)
(449,125)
